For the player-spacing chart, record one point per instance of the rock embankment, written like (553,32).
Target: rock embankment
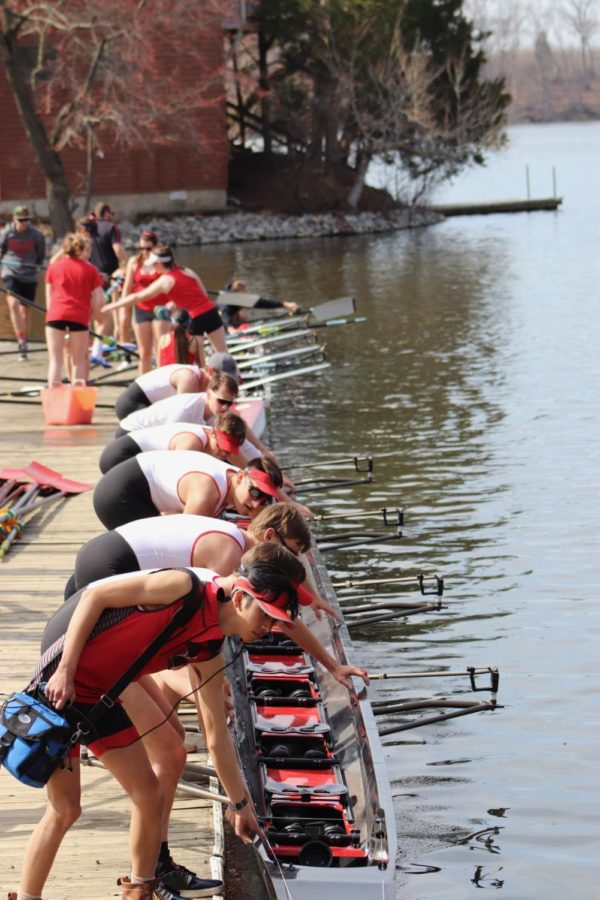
(217,229)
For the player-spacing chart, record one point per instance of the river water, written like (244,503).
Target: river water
(472,386)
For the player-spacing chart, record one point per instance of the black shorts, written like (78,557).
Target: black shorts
(118,451)
(65,325)
(143,315)
(113,730)
(132,399)
(123,495)
(105,555)
(206,323)
(18,288)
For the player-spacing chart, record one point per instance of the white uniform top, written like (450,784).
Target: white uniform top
(157,384)
(164,470)
(166,541)
(160,436)
(180,408)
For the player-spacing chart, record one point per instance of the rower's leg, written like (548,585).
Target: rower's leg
(218,340)
(55,339)
(132,769)
(164,746)
(63,809)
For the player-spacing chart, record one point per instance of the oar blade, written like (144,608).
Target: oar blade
(333,309)
(233,298)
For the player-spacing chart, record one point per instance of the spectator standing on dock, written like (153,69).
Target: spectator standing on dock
(139,274)
(183,288)
(108,256)
(73,294)
(22,251)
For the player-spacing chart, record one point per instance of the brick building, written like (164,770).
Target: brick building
(152,179)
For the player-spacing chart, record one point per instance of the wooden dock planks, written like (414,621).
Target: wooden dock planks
(32,579)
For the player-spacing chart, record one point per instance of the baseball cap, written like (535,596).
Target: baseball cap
(275,605)
(223,362)
(21,212)
(227,442)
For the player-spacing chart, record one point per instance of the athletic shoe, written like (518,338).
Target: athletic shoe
(99,361)
(23,351)
(180,882)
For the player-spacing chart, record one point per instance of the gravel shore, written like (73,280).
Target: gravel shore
(217,229)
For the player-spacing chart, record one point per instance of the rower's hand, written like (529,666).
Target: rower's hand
(320,606)
(244,823)
(343,673)
(288,485)
(60,689)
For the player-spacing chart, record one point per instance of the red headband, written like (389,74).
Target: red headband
(227,442)
(262,481)
(276,607)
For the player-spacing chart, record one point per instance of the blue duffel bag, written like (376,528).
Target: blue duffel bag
(34,737)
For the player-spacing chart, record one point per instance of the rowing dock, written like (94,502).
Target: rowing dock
(498,206)
(32,577)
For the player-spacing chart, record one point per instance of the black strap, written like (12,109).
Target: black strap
(179,620)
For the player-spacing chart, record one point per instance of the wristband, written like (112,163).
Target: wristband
(235,807)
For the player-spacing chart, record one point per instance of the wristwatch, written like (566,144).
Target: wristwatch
(235,807)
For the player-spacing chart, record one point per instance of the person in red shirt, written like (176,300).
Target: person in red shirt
(183,288)
(140,274)
(73,296)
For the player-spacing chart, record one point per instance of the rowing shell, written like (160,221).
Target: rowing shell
(314,764)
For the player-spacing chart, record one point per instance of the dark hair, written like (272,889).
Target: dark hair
(165,250)
(269,467)
(148,236)
(89,225)
(233,425)
(269,567)
(222,379)
(182,320)
(102,207)
(284,518)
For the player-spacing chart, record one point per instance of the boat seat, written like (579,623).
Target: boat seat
(331,790)
(312,728)
(277,668)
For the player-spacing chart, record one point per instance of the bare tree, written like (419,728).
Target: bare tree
(98,75)
(582,16)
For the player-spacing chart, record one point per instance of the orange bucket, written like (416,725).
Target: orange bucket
(69,405)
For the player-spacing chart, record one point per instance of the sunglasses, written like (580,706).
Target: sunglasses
(224,402)
(259,495)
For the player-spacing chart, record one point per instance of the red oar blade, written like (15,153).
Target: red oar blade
(35,471)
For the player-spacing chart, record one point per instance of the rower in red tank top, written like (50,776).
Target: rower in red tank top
(183,287)
(140,275)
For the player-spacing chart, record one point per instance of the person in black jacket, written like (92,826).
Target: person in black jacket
(234,316)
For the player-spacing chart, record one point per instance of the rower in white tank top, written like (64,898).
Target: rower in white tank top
(160,436)
(180,408)
(171,540)
(164,469)
(158,383)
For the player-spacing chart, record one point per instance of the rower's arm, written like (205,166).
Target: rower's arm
(305,639)
(162,285)
(220,745)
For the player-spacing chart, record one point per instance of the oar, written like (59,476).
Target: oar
(27,302)
(257,360)
(386,676)
(398,516)
(291,373)
(331,309)
(404,579)
(345,460)
(386,617)
(241,346)
(442,717)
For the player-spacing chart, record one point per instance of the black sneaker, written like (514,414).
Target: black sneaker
(180,882)
(23,351)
